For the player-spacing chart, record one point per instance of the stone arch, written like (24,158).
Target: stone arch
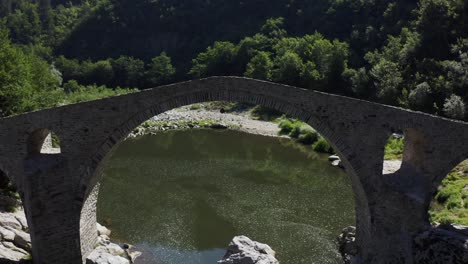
(90,182)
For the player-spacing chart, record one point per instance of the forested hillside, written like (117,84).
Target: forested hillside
(408,53)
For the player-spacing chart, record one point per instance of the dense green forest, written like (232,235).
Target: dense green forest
(407,53)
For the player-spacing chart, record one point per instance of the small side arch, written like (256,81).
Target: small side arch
(43,141)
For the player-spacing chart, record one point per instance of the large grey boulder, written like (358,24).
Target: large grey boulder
(243,250)
(8,252)
(101,256)
(9,220)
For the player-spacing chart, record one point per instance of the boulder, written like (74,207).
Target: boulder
(347,244)
(22,239)
(9,220)
(243,250)
(337,163)
(132,254)
(12,246)
(102,230)
(6,234)
(11,254)
(102,257)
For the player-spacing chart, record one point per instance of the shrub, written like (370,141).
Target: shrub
(323,146)
(454,107)
(295,132)
(286,126)
(308,137)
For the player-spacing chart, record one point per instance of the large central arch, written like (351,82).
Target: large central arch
(280,98)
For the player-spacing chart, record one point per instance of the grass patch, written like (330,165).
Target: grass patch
(450,204)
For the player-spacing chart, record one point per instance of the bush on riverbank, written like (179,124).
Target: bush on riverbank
(304,134)
(450,204)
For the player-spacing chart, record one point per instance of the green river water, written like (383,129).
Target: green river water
(181,196)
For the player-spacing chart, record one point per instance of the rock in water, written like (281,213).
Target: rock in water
(347,244)
(243,250)
(102,257)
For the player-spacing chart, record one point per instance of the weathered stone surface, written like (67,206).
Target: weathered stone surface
(442,245)
(243,250)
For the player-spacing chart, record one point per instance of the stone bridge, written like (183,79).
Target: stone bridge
(59,190)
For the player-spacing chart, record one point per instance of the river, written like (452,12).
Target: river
(181,196)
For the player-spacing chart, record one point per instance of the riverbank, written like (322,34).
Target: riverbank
(203,117)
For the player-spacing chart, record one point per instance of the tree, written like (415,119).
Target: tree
(274,28)
(128,71)
(387,81)
(260,67)
(289,69)
(218,59)
(160,70)
(26,81)
(420,97)
(454,107)
(24,23)
(101,72)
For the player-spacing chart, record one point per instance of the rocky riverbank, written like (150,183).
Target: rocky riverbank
(186,118)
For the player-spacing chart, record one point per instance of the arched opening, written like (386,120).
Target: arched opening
(393,155)
(191,184)
(404,150)
(450,203)
(43,141)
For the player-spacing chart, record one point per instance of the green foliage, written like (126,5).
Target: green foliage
(92,92)
(26,81)
(405,53)
(450,204)
(128,71)
(387,79)
(260,67)
(323,146)
(217,60)
(454,107)
(303,134)
(394,148)
(160,70)
(289,67)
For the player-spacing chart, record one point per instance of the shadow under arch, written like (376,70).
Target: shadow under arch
(257,94)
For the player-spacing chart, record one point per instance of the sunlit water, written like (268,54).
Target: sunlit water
(181,196)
